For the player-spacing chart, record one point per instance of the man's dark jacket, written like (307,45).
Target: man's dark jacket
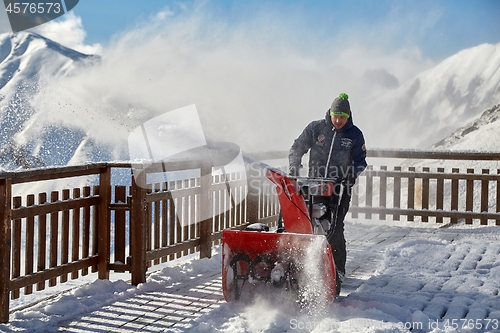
(346,159)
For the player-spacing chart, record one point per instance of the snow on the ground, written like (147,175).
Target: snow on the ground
(428,280)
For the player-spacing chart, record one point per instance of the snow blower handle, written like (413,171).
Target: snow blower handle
(316,187)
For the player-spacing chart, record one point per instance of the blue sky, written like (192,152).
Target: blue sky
(440,28)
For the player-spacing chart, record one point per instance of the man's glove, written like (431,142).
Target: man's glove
(294,170)
(349,180)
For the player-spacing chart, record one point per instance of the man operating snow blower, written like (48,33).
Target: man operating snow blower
(337,151)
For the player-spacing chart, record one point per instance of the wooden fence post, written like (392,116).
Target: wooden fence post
(411,192)
(104,227)
(397,193)
(498,196)
(484,196)
(454,195)
(54,237)
(369,190)
(120,221)
(138,228)
(383,191)
(469,196)
(425,193)
(206,213)
(439,195)
(5,247)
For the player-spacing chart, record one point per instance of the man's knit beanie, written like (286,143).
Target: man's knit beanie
(340,106)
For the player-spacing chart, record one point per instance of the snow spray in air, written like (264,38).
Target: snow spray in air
(158,145)
(312,293)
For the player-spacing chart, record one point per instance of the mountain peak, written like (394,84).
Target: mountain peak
(26,61)
(27,54)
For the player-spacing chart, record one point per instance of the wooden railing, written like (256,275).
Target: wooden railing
(425,194)
(430,194)
(48,238)
(31,252)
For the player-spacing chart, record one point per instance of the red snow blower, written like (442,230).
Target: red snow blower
(295,258)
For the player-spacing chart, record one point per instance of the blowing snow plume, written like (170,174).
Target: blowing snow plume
(256,82)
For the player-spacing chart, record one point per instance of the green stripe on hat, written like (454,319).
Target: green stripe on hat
(339,114)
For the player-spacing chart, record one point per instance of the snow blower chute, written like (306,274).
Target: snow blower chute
(296,258)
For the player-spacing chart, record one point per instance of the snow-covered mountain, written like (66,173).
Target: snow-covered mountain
(24,55)
(481,134)
(27,60)
(425,109)
(439,100)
